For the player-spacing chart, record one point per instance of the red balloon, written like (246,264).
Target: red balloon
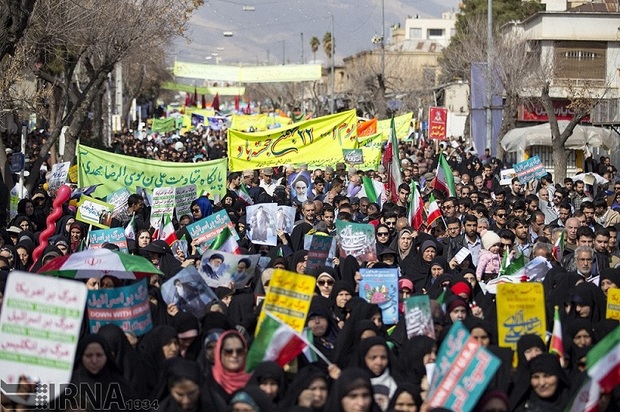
(62,195)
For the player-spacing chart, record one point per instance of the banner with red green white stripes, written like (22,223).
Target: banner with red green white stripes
(434,212)
(444,180)
(603,361)
(276,341)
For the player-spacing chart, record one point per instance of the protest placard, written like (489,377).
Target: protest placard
(189,291)
(94,212)
(357,240)
(127,307)
(207,229)
(115,235)
(119,200)
(418,317)
(220,268)
(289,298)
(380,286)
(183,198)
(262,221)
(163,204)
(530,169)
(520,311)
(58,175)
(613,304)
(318,252)
(39,327)
(463,371)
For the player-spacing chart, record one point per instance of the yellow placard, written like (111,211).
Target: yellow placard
(317,142)
(289,298)
(520,311)
(73,174)
(613,304)
(402,124)
(258,122)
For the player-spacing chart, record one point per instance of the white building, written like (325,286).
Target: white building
(440,30)
(582,44)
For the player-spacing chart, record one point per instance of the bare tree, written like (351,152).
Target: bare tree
(75,45)
(514,65)
(14,15)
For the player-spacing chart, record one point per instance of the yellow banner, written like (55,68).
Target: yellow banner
(259,122)
(520,311)
(613,304)
(289,298)
(371,149)
(249,74)
(401,123)
(318,142)
(114,171)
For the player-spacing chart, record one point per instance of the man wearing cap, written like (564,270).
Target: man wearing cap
(248,174)
(266,182)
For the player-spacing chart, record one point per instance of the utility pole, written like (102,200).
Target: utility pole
(383,40)
(333,101)
(302,48)
(489,113)
(283,52)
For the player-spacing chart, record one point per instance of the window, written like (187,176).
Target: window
(435,33)
(580,60)
(415,33)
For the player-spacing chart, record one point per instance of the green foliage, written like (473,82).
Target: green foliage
(503,12)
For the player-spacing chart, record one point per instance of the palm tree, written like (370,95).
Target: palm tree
(314,45)
(328,45)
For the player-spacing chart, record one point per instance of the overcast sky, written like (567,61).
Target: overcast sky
(274,28)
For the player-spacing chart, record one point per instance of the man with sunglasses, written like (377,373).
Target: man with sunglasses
(389,219)
(500,218)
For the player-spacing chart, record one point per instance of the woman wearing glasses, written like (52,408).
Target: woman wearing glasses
(383,238)
(228,372)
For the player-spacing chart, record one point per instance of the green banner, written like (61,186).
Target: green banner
(115,171)
(164,125)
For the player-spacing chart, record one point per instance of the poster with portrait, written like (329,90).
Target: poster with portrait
(301,189)
(357,240)
(285,219)
(219,268)
(261,220)
(189,291)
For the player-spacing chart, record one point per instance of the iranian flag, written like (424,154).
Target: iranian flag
(557,345)
(444,180)
(558,248)
(130,229)
(603,367)
(373,189)
(245,195)
(587,397)
(166,231)
(225,242)
(603,361)
(416,208)
(434,212)
(276,341)
(391,162)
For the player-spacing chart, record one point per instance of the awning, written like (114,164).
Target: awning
(521,138)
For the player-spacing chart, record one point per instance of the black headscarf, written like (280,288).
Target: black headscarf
(349,380)
(126,358)
(269,370)
(410,365)
(301,382)
(106,377)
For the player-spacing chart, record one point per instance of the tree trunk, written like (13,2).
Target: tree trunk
(80,117)
(509,121)
(560,161)
(13,23)
(97,125)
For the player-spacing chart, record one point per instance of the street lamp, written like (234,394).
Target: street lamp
(489,113)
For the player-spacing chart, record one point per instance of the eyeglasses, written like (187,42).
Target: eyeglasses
(325,282)
(501,216)
(558,197)
(382,233)
(390,223)
(234,351)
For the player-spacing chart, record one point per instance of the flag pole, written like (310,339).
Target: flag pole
(303,339)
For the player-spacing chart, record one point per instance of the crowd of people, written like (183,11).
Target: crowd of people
(198,364)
